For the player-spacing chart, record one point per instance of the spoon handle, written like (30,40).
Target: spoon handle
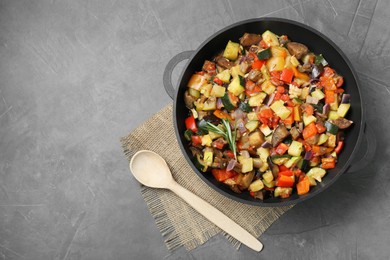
(217,217)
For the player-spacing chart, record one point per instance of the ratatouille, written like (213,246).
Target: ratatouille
(266,116)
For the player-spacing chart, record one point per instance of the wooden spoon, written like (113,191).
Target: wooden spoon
(151,170)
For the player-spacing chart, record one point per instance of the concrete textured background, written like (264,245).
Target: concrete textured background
(75,76)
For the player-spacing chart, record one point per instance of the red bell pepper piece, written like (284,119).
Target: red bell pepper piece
(303,186)
(339,146)
(309,131)
(328,163)
(222,174)
(196,140)
(281,148)
(218,81)
(287,75)
(290,119)
(191,124)
(257,64)
(284,181)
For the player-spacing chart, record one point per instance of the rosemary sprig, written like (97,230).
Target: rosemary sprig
(228,134)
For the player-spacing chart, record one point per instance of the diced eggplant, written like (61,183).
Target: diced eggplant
(254,75)
(189,100)
(313,140)
(316,70)
(342,122)
(245,66)
(232,185)
(279,135)
(297,49)
(263,194)
(294,133)
(274,168)
(244,180)
(209,67)
(211,118)
(224,62)
(249,39)
(346,99)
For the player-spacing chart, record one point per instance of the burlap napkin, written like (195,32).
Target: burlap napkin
(178,222)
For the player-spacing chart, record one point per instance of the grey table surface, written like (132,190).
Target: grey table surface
(75,76)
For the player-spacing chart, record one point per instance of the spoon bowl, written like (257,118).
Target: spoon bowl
(151,170)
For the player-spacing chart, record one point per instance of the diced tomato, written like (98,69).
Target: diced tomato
(298,173)
(329,96)
(252,193)
(229,153)
(222,174)
(256,89)
(281,148)
(257,64)
(308,109)
(266,112)
(275,122)
(340,81)
(339,90)
(328,72)
(285,97)
(191,124)
(221,114)
(283,168)
(303,186)
(218,81)
(277,96)
(309,131)
(339,146)
(328,83)
(320,127)
(284,181)
(285,195)
(328,163)
(287,75)
(196,140)
(263,44)
(286,173)
(200,73)
(275,74)
(218,144)
(280,89)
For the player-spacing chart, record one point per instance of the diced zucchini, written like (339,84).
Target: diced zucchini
(331,128)
(193,92)
(305,93)
(335,105)
(270,184)
(280,110)
(280,191)
(275,64)
(235,71)
(256,139)
(256,186)
(208,156)
(322,139)
(331,142)
(227,102)
(224,76)
(196,81)
(280,159)
(206,90)
(257,162)
(252,125)
(333,115)
(247,164)
(264,70)
(312,181)
(318,94)
(235,86)
(206,140)
(217,91)
(231,50)
(268,176)
(317,173)
(343,109)
(265,129)
(257,100)
(270,38)
(264,54)
(210,104)
(199,163)
(292,162)
(263,153)
(308,119)
(268,87)
(295,148)
(294,61)
(278,51)
(252,116)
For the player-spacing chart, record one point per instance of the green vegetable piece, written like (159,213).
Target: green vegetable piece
(331,128)
(264,54)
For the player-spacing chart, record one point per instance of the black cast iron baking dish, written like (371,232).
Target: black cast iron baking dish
(316,42)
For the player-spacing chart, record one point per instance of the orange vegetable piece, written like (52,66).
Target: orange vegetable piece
(309,131)
(303,186)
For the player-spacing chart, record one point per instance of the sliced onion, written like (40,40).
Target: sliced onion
(238,113)
(266,144)
(270,99)
(325,109)
(241,126)
(300,127)
(346,99)
(231,165)
(245,154)
(312,100)
(219,103)
(308,155)
(321,115)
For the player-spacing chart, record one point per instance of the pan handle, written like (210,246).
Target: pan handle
(368,146)
(167,77)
